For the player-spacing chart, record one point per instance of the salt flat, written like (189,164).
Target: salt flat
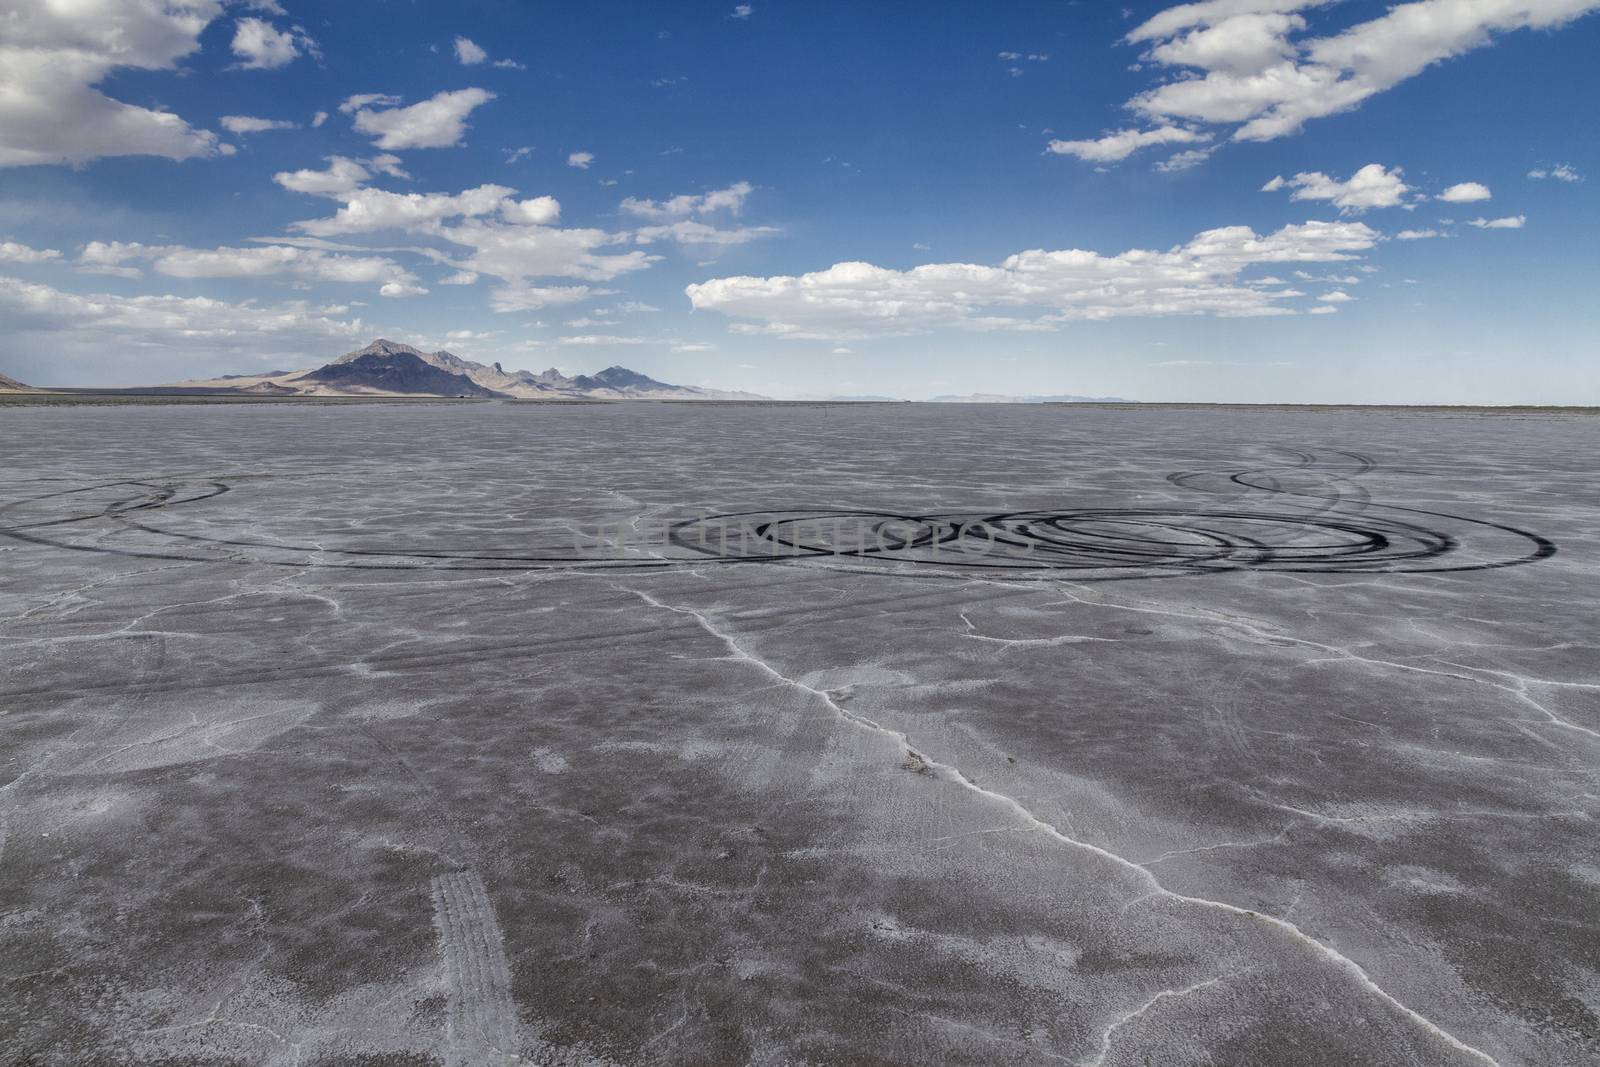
(493,733)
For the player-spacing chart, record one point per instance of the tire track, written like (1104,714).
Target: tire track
(482,1024)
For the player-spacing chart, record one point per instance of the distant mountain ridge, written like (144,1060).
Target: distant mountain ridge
(389,368)
(11,385)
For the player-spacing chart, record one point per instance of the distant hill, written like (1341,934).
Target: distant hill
(388,368)
(1000,398)
(394,372)
(11,385)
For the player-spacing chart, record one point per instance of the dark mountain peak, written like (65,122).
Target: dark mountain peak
(381,347)
(619,377)
(397,369)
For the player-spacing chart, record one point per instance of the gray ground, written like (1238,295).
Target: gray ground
(1260,737)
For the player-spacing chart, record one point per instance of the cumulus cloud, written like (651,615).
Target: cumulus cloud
(12,252)
(730,199)
(1465,193)
(539,211)
(111,257)
(371,210)
(260,46)
(581,160)
(269,260)
(1034,290)
(438,122)
(1510,222)
(1115,147)
(1250,64)
(519,296)
(1370,187)
(342,176)
(1561,172)
(53,55)
(513,240)
(91,324)
(682,218)
(243,124)
(264,261)
(469,54)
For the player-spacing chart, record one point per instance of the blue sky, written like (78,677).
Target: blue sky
(1253,200)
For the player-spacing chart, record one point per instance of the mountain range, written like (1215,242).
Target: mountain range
(387,368)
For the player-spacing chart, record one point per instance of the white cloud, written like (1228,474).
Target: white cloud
(741,11)
(520,296)
(342,177)
(601,339)
(12,252)
(319,118)
(1561,172)
(438,122)
(1324,309)
(730,199)
(1465,193)
(1182,161)
(468,53)
(513,240)
(1248,63)
(1117,146)
(51,57)
(111,257)
(1510,222)
(263,261)
(72,323)
(1371,186)
(268,260)
(679,218)
(1338,296)
(387,164)
(1034,290)
(401,289)
(581,160)
(539,211)
(694,346)
(692,232)
(1417,235)
(259,46)
(366,100)
(460,277)
(513,155)
(242,124)
(370,210)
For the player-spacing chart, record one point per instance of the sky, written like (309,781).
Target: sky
(1320,201)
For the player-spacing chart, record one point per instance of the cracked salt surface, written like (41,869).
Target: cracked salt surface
(289,777)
